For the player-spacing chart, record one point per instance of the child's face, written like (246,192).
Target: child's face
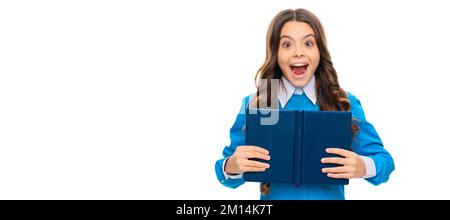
(298,54)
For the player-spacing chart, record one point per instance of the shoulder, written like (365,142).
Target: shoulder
(247,98)
(352,98)
(245,101)
(355,106)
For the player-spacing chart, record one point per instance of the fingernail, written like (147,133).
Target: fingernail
(323,170)
(267,165)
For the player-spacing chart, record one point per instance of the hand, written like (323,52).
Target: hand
(353,165)
(239,162)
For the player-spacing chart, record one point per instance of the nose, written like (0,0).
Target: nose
(298,52)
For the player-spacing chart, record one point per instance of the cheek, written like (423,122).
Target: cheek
(282,60)
(315,58)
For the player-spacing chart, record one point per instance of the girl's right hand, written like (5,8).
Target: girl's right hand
(239,162)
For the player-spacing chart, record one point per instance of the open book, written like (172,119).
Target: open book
(296,144)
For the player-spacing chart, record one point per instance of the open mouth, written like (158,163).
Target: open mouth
(299,69)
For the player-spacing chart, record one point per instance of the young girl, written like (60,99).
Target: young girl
(297,57)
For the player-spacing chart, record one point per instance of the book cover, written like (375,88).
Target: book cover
(297,143)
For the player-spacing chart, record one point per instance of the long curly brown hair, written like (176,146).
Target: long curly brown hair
(330,96)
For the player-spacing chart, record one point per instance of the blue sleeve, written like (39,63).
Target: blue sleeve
(367,143)
(237,137)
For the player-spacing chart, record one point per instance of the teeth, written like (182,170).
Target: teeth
(299,64)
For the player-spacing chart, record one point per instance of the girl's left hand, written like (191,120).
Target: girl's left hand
(352,165)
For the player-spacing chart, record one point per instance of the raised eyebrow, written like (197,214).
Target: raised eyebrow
(309,35)
(306,36)
(286,36)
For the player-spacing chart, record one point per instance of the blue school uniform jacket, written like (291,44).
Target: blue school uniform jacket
(366,143)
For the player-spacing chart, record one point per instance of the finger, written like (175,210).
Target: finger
(253,154)
(338,151)
(335,160)
(257,149)
(252,163)
(341,169)
(340,175)
(253,169)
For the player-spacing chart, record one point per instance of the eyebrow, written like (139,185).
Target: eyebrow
(308,35)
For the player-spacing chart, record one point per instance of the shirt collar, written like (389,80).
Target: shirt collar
(287,90)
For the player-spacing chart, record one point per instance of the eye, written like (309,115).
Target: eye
(286,44)
(309,43)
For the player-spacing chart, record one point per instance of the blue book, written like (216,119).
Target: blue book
(297,143)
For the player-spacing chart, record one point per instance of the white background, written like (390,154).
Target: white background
(134,99)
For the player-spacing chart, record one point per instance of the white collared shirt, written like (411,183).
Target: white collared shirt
(285,93)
